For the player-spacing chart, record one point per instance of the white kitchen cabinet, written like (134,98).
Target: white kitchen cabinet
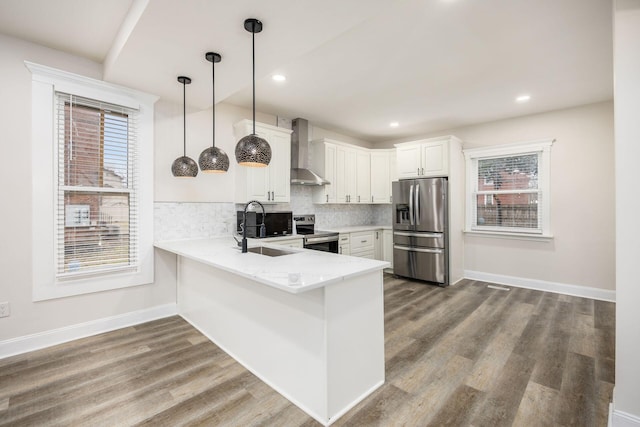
(363,177)
(377,244)
(346,176)
(382,167)
(387,246)
(324,163)
(270,184)
(344,247)
(427,157)
(363,244)
(351,171)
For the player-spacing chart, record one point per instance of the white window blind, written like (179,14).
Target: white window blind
(97,201)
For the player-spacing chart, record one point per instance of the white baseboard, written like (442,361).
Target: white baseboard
(542,285)
(44,339)
(622,419)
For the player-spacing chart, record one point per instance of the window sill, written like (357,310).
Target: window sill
(511,236)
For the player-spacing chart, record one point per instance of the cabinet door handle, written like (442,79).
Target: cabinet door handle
(273,195)
(358,199)
(371,199)
(327,198)
(418,171)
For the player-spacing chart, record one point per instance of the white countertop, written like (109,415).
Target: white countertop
(356,228)
(313,269)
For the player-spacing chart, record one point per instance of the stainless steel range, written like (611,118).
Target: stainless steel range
(326,241)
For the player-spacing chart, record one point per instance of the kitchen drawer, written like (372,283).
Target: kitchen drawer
(363,253)
(362,240)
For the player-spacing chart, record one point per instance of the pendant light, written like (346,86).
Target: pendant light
(184,167)
(213,159)
(252,150)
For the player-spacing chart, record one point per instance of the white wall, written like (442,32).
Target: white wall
(28,317)
(627,147)
(582,251)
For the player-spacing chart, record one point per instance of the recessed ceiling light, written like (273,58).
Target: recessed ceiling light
(394,124)
(523,98)
(279,77)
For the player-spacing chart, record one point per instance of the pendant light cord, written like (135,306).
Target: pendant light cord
(184,116)
(253,58)
(213,97)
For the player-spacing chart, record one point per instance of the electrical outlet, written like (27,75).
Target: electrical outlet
(4,309)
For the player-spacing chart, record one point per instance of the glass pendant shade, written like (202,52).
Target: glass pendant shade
(252,150)
(184,167)
(213,159)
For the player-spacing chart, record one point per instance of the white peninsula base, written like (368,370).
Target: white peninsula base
(322,349)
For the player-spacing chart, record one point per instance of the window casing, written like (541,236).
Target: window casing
(92,193)
(508,189)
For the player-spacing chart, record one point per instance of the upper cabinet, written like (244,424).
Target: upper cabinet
(383,166)
(427,157)
(270,184)
(345,180)
(363,176)
(357,174)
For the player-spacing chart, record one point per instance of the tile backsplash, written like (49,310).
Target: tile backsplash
(192,220)
(179,220)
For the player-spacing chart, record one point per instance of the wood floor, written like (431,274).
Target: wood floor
(466,355)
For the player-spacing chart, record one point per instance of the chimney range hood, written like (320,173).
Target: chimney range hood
(300,172)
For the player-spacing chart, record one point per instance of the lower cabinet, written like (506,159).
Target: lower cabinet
(387,246)
(363,244)
(344,247)
(373,244)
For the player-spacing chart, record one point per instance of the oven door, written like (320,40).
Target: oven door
(325,244)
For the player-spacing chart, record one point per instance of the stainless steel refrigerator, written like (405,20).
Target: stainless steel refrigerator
(420,229)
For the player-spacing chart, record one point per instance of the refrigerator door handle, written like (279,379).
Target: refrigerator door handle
(415,249)
(421,234)
(417,212)
(411,205)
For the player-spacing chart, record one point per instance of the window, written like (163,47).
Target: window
(92,193)
(97,204)
(508,189)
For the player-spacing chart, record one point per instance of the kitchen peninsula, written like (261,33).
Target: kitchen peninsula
(310,324)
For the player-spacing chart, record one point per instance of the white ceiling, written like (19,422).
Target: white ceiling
(352,66)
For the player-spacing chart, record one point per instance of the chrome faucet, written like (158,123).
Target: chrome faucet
(263,228)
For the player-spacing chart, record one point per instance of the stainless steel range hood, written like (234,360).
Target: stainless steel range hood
(300,172)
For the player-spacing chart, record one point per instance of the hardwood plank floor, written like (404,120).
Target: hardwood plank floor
(465,355)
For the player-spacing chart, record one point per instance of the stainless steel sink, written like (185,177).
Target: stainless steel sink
(263,250)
